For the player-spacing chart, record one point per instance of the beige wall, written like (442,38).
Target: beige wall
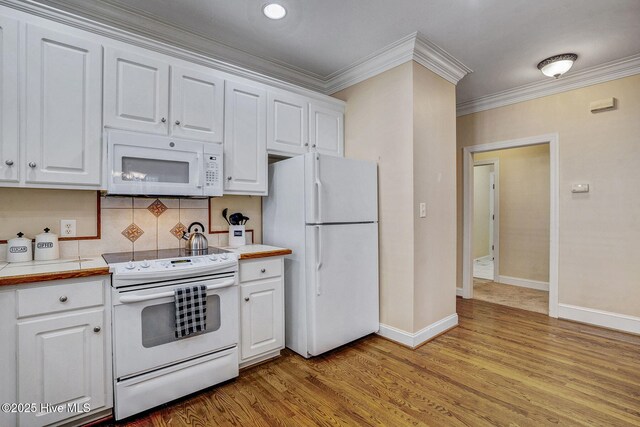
(599,231)
(379,127)
(434,180)
(524,211)
(481,210)
(404,119)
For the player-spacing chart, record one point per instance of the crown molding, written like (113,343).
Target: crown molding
(599,74)
(414,47)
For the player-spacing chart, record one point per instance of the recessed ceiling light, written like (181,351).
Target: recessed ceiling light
(274,11)
(557,65)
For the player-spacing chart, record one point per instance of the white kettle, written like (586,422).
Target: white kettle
(47,246)
(19,249)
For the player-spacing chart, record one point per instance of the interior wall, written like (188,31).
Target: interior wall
(598,231)
(434,180)
(524,211)
(379,128)
(481,209)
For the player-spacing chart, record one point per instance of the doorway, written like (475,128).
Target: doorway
(485,217)
(474,153)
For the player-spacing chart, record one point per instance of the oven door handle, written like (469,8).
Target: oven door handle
(126,299)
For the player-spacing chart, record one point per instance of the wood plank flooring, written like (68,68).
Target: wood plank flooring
(502,366)
(513,296)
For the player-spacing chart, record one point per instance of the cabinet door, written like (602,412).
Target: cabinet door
(64,100)
(197,104)
(287,124)
(262,314)
(9,161)
(326,129)
(136,92)
(245,135)
(61,362)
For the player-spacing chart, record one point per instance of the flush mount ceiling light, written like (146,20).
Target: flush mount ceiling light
(274,11)
(557,65)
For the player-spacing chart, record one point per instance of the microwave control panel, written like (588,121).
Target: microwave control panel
(213,174)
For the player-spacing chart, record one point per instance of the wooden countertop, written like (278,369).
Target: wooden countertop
(39,271)
(258,251)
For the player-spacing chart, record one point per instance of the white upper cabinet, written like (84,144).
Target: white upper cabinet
(245,136)
(63,108)
(136,92)
(326,129)
(197,104)
(287,124)
(9,144)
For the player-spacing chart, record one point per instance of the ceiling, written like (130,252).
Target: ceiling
(500,40)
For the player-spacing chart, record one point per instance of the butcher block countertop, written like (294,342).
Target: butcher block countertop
(258,251)
(18,273)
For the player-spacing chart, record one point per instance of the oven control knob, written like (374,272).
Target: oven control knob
(130,265)
(224,256)
(145,264)
(213,258)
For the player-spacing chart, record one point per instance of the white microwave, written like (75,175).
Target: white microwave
(153,165)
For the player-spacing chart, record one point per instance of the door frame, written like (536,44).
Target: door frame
(496,212)
(554,194)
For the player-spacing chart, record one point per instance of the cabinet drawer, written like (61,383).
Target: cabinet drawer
(54,298)
(260,269)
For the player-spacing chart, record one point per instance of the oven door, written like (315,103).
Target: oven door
(144,325)
(154,165)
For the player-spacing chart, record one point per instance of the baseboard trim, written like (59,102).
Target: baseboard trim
(524,283)
(459,292)
(414,340)
(605,319)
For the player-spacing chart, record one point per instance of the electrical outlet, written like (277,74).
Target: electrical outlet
(67,228)
(423,210)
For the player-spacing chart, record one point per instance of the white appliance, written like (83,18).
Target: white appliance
(325,209)
(146,164)
(152,366)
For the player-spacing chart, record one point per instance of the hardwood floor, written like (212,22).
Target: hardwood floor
(501,366)
(513,296)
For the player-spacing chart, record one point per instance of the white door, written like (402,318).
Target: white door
(245,136)
(342,284)
(339,190)
(9,144)
(287,124)
(326,129)
(62,362)
(136,92)
(197,104)
(492,212)
(262,312)
(64,108)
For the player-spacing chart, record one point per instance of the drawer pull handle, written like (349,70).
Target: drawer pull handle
(163,120)
(246,298)
(97,329)
(63,298)
(264,270)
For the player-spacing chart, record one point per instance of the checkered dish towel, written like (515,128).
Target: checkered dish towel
(191,310)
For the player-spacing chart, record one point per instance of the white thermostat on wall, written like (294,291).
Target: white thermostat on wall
(580,188)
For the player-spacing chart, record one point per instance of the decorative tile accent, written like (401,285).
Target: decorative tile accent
(178,230)
(157,208)
(132,232)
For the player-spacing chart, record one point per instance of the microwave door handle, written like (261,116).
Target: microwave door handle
(201,169)
(127,299)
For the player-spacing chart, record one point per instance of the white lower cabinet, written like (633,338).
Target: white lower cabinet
(63,351)
(261,309)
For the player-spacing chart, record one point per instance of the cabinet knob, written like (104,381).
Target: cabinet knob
(97,329)
(32,164)
(306,144)
(246,298)
(163,120)
(63,298)
(228,178)
(177,122)
(9,162)
(264,270)
(314,146)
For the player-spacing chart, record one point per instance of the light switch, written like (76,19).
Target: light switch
(580,188)
(423,210)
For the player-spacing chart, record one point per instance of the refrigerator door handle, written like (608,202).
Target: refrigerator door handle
(318,191)
(318,258)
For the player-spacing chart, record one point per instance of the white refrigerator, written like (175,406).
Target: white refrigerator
(325,209)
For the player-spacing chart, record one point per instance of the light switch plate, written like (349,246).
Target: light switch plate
(423,210)
(580,188)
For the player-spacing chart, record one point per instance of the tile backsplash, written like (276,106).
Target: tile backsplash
(141,223)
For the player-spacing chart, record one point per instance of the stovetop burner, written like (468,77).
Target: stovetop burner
(117,257)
